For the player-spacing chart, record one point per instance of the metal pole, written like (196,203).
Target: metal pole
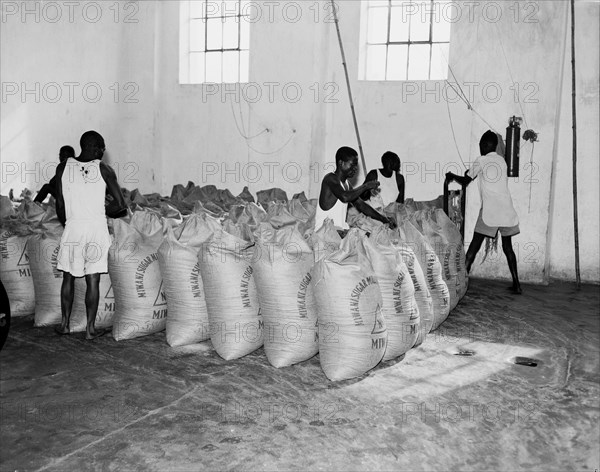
(337,27)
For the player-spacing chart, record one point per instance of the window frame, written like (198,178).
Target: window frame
(365,44)
(186,52)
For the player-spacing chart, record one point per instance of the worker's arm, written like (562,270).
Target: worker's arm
(371,176)
(469,176)
(117,208)
(347,196)
(47,189)
(42,194)
(466,180)
(366,209)
(60,201)
(401,186)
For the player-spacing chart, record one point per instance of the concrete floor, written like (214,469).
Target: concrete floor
(458,402)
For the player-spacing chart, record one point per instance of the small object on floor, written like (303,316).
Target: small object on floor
(526,361)
(99,332)
(464,352)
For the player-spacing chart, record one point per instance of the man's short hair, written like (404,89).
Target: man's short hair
(345,154)
(389,158)
(68,151)
(489,140)
(91,138)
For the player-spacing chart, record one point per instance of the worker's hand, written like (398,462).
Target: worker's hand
(372,184)
(391,223)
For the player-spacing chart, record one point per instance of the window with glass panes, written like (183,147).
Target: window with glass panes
(405,40)
(214,41)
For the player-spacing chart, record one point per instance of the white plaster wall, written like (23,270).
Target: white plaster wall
(94,49)
(174,133)
(561,232)
(259,134)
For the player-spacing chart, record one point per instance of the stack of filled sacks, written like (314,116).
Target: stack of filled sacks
(299,211)
(444,238)
(214,200)
(187,320)
(451,233)
(15,270)
(400,309)
(282,263)
(234,315)
(140,303)
(273,195)
(423,297)
(447,243)
(352,330)
(43,247)
(432,268)
(246,217)
(6,207)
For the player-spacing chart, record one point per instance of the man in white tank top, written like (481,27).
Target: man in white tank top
(81,186)
(391,183)
(336,193)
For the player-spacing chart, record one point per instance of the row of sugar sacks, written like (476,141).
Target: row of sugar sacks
(155,264)
(29,245)
(254,272)
(430,231)
(198,279)
(373,300)
(404,282)
(273,272)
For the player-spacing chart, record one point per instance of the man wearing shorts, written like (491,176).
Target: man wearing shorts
(497,212)
(81,186)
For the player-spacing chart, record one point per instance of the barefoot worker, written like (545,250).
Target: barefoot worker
(497,212)
(81,185)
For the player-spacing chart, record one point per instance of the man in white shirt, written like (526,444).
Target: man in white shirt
(337,193)
(497,212)
(81,185)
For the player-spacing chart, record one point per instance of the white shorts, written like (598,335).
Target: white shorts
(84,248)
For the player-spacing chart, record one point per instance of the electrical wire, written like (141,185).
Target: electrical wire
(454,135)
(510,73)
(531,176)
(248,138)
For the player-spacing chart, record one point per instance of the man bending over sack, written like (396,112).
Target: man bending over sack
(391,181)
(337,193)
(82,183)
(50,188)
(497,212)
